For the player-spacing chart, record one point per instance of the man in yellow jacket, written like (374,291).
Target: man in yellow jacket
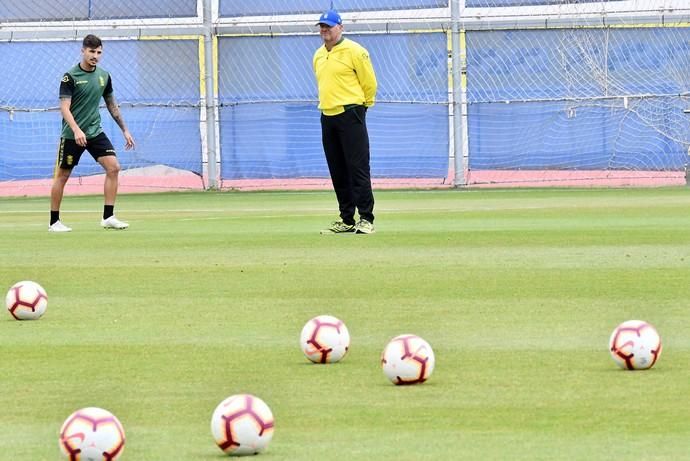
(347,87)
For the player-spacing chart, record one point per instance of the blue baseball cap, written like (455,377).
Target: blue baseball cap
(330,18)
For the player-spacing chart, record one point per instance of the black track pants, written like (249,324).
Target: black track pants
(346,145)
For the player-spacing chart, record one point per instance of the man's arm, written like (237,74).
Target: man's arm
(66,90)
(115,113)
(366,75)
(79,136)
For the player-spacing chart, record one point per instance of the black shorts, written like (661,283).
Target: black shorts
(70,152)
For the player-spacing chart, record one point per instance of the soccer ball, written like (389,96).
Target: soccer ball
(325,339)
(635,345)
(92,434)
(408,359)
(26,300)
(242,425)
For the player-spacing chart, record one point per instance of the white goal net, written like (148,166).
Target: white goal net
(471,92)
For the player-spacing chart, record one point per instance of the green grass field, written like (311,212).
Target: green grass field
(206,294)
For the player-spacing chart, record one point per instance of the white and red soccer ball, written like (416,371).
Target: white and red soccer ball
(26,300)
(408,359)
(325,339)
(635,345)
(242,424)
(92,434)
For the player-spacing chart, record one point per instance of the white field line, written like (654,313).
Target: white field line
(234,215)
(286,210)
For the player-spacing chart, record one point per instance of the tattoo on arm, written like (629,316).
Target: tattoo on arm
(114,110)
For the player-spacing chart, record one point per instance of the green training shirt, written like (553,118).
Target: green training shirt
(86,90)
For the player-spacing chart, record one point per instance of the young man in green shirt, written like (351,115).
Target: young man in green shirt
(81,89)
(347,87)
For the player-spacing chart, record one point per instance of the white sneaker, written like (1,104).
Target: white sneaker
(113,223)
(57,226)
(364,227)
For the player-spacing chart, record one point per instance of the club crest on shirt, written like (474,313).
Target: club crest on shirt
(101,81)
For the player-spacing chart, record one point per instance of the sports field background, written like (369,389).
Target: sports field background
(205,295)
